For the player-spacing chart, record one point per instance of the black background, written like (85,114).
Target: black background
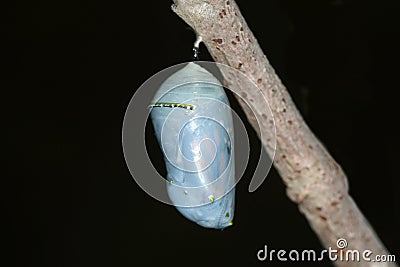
(71,68)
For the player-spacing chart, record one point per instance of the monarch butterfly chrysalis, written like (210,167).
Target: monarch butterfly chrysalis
(193,125)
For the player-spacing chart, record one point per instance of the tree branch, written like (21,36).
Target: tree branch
(313,179)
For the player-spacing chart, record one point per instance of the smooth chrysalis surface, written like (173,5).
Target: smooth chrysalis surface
(193,125)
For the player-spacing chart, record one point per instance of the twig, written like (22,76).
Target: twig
(313,179)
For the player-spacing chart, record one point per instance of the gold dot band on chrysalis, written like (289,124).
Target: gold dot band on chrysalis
(172,105)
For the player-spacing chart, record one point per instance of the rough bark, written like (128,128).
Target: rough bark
(313,179)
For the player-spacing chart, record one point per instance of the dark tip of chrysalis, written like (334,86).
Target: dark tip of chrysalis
(196,52)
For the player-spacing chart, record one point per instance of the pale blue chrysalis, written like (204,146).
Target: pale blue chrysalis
(193,125)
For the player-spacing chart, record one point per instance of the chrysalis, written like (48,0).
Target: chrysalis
(193,125)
